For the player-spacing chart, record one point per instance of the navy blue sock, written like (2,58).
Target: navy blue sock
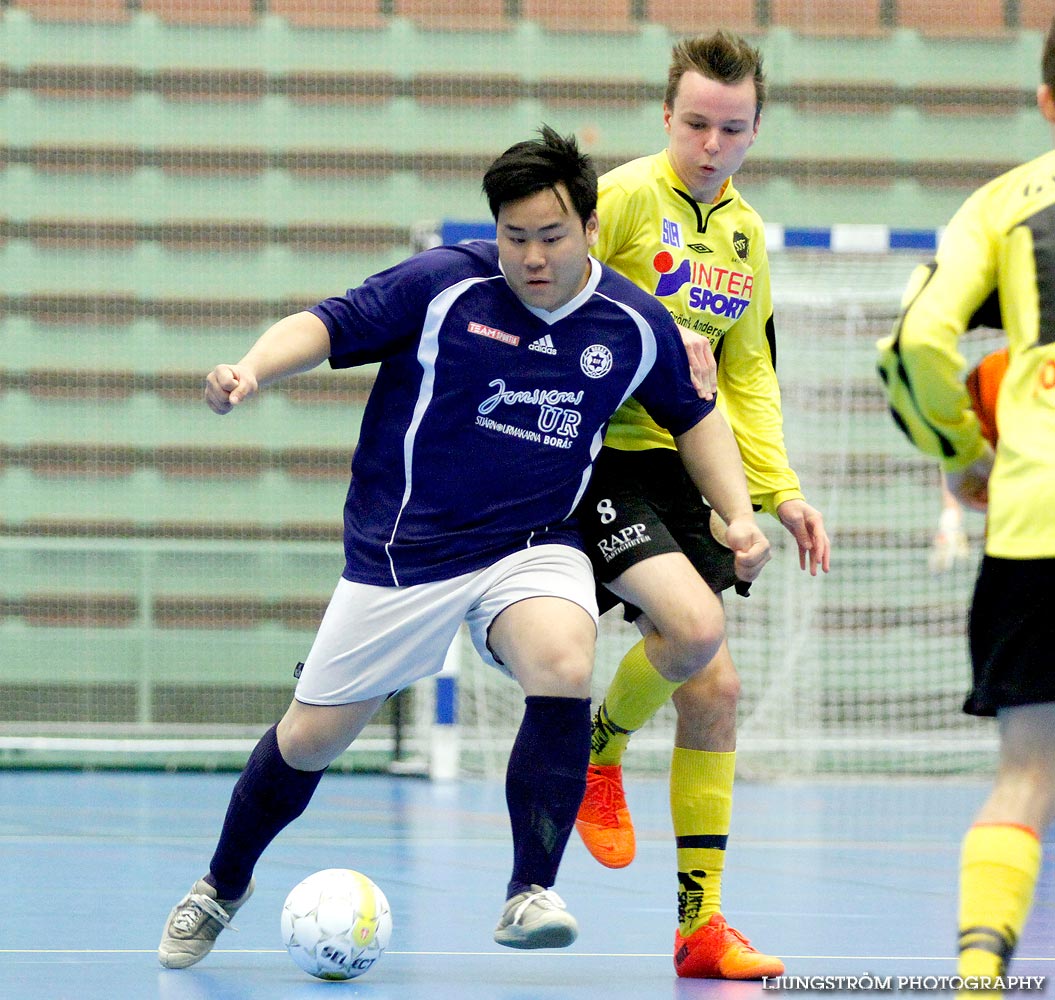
(545,782)
(267,797)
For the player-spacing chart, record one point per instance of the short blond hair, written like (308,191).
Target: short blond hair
(723,56)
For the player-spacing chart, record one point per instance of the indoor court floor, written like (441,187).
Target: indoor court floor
(839,878)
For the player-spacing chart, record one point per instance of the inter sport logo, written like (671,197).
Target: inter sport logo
(670,281)
(717,290)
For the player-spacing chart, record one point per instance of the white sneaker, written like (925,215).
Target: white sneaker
(536,919)
(194,924)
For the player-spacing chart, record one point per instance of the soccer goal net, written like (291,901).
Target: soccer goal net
(860,671)
(133,636)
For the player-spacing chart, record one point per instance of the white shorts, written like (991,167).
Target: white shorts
(376,640)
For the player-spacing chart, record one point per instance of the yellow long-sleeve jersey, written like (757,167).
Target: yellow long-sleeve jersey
(707,264)
(995,266)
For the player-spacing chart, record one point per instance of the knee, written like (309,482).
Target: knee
(691,648)
(710,695)
(706,707)
(1024,793)
(307,747)
(571,675)
(564,673)
(715,691)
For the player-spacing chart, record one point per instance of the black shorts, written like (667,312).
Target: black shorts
(1012,632)
(641,504)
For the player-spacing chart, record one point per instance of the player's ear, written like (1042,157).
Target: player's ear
(592,228)
(1046,102)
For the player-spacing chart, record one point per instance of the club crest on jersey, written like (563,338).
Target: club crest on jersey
(544,345)
(741,245)
(596,361)
(717,290)
(671,234)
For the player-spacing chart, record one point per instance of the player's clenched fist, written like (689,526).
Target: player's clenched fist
(750,547)
(227,385)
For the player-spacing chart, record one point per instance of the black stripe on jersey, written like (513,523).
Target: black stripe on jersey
(701,222)
(947,449)
(988,313)
(1042,226)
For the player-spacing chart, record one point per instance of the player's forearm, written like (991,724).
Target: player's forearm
(712,459)
(295,344)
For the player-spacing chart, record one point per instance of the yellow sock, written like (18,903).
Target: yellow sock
(636,693)
(701,804)
(999,866)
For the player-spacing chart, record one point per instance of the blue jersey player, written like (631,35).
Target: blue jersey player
(500,366)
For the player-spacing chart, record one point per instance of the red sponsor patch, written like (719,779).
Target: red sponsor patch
(490,331)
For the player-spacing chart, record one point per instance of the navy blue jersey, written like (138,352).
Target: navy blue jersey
(486,415)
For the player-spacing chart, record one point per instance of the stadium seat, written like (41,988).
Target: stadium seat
(612,94)
(210,85)
(329,13)
(210,611)
(1035,15)
(971,19)
(486,90)
(89,11)
(94,460)
(328,530)
(72,610)
(203,12)
(366,87)
(204,236)
(600,16)
(64,80)
(687,17)
(455,15)
(849,18)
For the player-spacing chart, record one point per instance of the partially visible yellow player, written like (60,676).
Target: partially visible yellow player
(675,225)
(996,267)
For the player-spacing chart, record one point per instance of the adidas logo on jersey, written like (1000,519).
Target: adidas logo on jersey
(544,345)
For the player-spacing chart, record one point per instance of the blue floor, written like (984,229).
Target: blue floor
(839,879)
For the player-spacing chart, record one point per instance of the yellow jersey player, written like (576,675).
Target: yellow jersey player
(996,267)
(675,224)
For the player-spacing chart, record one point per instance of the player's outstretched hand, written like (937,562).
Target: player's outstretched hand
(971,485)
(750,547)
(702,367)
(227,385)
(807,528)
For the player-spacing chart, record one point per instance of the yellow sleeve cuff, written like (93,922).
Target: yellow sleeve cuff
(771,501)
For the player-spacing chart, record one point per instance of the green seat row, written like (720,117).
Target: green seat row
(146,42)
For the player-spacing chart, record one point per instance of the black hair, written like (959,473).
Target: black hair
(537,164)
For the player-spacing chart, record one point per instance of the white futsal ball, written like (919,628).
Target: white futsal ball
(336,924)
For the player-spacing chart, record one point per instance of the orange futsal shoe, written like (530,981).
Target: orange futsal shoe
(718,951)
(604,821)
